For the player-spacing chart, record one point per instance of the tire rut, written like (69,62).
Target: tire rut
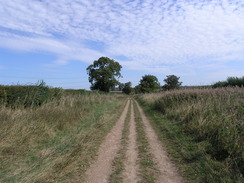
(131,167)
(101,169)
(167,171)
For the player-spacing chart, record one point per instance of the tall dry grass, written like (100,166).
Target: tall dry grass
(57,141)
(212,116)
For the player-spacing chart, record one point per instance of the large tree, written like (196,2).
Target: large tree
(172,82)
(148,83)
(104,74)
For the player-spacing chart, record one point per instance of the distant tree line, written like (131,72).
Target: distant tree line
(231,81)
(105,72)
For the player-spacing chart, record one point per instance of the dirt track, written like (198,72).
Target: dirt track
(168,173)
(131,166)
(99,172)
(101,169)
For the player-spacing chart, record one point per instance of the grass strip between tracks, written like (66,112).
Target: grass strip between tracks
(148,170)
(118,162)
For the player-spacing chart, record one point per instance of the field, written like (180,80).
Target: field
(56,141)
(204,131)
(54,135)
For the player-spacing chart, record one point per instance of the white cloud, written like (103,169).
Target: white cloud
(149,33)
(65,50)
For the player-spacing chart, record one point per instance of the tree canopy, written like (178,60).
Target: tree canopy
(148,83)
(104,74)
(172,82)
(127,89)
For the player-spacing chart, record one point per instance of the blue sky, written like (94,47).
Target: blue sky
(202,41)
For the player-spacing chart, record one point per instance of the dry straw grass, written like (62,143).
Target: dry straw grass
(214,117)
(57,141)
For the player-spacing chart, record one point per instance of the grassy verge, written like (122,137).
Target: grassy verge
(202,130)
(148,169)
(56,142)
(118,162)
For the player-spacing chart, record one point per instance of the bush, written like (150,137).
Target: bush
(220,84)
(231,81)
(235,81)
(27,95)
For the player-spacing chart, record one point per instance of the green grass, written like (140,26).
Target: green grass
(148,170)
(58,141)
(118,162)
(203,131)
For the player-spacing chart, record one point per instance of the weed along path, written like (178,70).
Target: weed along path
(132,153)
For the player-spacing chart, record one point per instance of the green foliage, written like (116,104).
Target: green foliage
(79,91)
(220,84)
(3,95)
(172,82)
(211,116)
(235,81)
(137,89)
(28,95)
(148,83)
(127,89)
(103,74)
(121,86)
(231,81)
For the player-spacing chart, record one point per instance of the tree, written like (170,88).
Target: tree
(137,89)
(127,89)
(121,86)
(172,82)
(148,83)
(104,74)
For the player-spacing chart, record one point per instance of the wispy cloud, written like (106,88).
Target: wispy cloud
(149,33)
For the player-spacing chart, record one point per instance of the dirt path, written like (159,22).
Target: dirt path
(131,167)
(168,172)
(99,172)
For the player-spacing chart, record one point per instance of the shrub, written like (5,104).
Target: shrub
(231,81)
(27,95)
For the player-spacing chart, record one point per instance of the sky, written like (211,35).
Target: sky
(200,41)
